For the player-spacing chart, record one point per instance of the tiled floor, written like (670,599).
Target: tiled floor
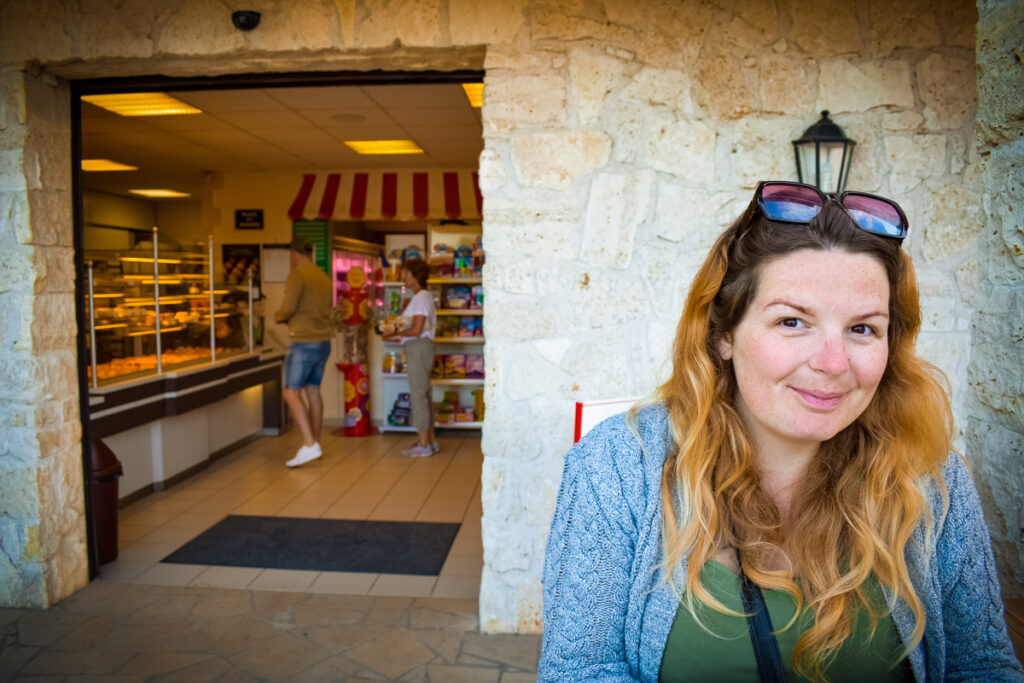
(147,621)
(358,478)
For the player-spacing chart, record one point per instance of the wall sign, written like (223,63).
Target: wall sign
(248,219)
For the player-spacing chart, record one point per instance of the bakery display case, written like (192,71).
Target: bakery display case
(152,310)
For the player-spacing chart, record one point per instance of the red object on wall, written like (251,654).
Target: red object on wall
(357,400)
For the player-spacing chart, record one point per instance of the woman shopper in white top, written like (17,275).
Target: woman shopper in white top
(417,335)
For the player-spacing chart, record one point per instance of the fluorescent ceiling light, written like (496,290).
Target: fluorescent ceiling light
(384,146)
(106,165)
(160,193)
(141,104)
(475,94)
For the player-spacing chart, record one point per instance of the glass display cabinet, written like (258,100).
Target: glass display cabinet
(151,310)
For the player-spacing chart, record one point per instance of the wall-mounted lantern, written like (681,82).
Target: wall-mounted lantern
(823,155)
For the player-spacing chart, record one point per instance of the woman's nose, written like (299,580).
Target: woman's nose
(831,356)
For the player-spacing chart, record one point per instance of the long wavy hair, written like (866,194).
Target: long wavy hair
(859,501)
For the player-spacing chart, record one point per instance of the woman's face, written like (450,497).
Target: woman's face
(408,279)
(811,348)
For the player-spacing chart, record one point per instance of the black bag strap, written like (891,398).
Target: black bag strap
(759,622)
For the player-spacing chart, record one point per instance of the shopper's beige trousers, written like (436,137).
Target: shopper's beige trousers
(419,359)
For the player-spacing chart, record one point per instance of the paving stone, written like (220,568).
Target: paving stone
(100,634)
(445,643)
(420,618)
(157,663)
(13,657)
(461,674)
(509,677)
(392,655)
(336,668)
(279,657)
(228,635)
(170,610)
(337,638)
(521,652)
(213,669)
(89,662)
(43,628)
(224,603)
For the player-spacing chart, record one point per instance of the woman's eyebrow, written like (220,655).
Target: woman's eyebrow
(808,311)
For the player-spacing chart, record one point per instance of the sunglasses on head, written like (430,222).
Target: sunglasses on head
(789,202)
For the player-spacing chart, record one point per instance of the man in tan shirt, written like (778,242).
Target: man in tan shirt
(306,309)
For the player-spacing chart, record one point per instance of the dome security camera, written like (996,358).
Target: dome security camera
(245,20)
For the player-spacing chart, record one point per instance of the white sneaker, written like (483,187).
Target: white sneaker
(305,454)
(435,448)
(418,451)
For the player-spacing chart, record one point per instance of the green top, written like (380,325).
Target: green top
(693,654)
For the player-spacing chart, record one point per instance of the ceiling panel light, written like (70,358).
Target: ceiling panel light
(141,104)
(475,94)
(160,193)
(106,165)
(384,146)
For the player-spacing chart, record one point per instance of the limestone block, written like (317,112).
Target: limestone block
(942,82)
(506,316)
(21,584)
(496,600)
(557,25)
(667,270)
(617,206)
(869,163)
(760,149)
(682,148)
(729,88)
(592,75)
(55,371)
(952,219)
(196,28)
(676,32)
(914,159)
(910,23)
(958,20)
(51,220)
(693,217)
(527,374)
(627,130)
(669,88)
(539,232)
(53,325)
(628,12)
(598,298)
(557,159)
(902,120)
(476,23)
(787,83)
(124,32)
(413,22)
(1000,35)
(492,174)
(1006,207)
(967,280)
(995,455)
(309,25)
(846,86)
(40,30)
(16,268)
(19,495)
(55,270)
(754,25)
(608,364)
(523,101)
(15,334)
(508,58)
(12,170)
(824,30)
(660,337)
(529,607)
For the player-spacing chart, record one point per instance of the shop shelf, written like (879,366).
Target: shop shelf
(461,311)
(455,281)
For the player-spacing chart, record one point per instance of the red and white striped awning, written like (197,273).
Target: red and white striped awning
(388,196)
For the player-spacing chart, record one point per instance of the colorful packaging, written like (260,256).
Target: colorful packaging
(478,403)
(474,366)
(438,369)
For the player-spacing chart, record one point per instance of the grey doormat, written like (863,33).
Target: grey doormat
(336,545)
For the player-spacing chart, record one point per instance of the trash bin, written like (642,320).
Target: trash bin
(106,468)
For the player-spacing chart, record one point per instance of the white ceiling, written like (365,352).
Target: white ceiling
(281,129)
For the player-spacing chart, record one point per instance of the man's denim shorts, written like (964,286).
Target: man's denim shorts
(304,364)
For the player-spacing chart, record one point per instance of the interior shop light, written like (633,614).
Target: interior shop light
(142,104)
(384,146)
(160,194)
(142,259)
(474,93)
(106,165)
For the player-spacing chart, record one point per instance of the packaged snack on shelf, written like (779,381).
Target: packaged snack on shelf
(403,401)
(457,296)
(399,417)
(437,370)
(478,327)
(463,262)
(477,297)
(465,415)
(443,416)
(466,326)
(455,366)
(442,260)
(474,366)
(478,403)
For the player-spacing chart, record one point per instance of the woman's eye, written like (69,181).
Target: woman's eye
(792,323)
(862,329)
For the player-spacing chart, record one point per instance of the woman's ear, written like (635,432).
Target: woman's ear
(724,345)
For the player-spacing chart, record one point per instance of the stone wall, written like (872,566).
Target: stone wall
(995,428)
(620,137)
(42,515)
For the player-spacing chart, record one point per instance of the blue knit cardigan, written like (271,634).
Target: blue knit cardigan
(607,611)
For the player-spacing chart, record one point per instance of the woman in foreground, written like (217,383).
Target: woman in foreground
(800,448)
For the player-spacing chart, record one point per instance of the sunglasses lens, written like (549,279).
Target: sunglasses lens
(793,203)
(875,215)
